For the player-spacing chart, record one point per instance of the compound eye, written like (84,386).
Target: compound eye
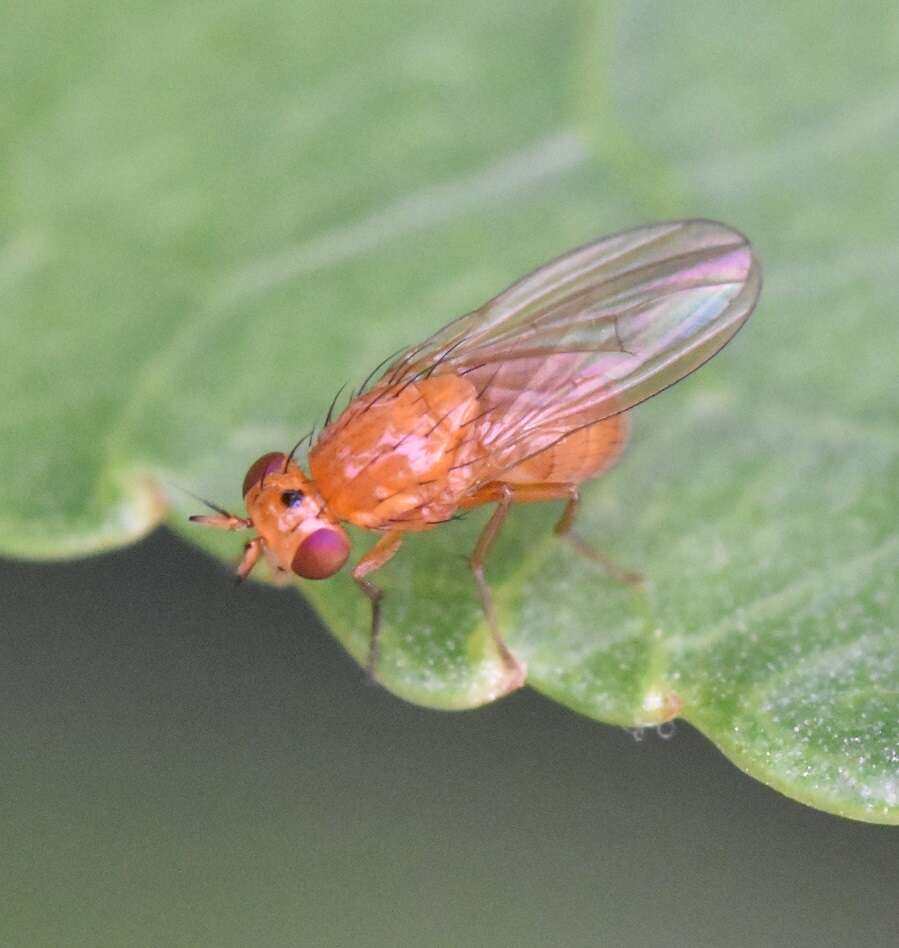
(321,554)
(270,463)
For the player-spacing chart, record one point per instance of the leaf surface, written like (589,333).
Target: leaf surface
(215,216)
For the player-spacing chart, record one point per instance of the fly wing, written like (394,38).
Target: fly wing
(594,332)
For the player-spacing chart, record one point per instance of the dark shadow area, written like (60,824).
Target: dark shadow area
(186,762)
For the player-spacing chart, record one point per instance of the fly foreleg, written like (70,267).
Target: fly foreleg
(373,560)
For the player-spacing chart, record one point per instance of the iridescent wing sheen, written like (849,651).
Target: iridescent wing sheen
(594,332)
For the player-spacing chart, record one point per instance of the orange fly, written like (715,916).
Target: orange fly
(519,401)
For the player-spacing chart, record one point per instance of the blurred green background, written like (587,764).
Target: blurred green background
(186,763)
(212,215)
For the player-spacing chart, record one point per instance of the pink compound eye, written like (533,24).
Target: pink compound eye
(270,463)
(321,554)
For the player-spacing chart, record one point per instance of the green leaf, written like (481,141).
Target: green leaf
(214,216)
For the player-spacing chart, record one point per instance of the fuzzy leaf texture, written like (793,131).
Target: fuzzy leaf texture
(212,216)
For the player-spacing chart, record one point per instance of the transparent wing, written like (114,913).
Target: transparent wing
(594,332)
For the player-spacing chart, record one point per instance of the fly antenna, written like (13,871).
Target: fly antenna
(202,500)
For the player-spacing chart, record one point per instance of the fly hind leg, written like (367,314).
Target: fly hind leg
(504,495)
(565,529)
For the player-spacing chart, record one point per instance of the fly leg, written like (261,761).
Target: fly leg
(226,521)
(251,555)
(374,559)
(517,671)
(507,494)
(565,529)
